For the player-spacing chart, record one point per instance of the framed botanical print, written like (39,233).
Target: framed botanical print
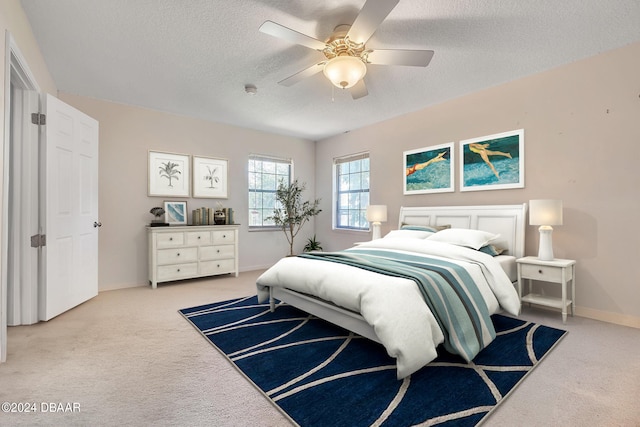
(168,174)
(429,170)
(210,177)
(493,162)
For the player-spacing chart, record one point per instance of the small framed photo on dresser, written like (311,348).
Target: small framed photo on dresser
(175,213)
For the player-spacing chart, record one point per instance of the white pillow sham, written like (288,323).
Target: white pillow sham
(474,239)
(408,234)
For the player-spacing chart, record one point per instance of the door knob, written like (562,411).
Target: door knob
(97,224)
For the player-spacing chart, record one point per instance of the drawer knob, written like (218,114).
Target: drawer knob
(178,253)
(224,236)
(178,270)
(539,271)
(218,265)
(218,251)
(170,238)
(198,237)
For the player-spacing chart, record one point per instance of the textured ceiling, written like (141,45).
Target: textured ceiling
(193,58)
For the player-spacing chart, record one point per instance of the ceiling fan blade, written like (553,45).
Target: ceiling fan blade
(359,90)
(282,32)
(370,17)
(416,58)
(301,75)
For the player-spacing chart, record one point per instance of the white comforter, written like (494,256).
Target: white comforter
(393,306)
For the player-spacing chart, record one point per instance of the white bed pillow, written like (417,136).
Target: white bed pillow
(474,239)
(408,234)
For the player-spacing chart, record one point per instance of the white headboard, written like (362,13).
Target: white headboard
(506,220)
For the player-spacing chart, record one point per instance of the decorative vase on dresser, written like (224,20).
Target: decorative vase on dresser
(186,252)
(219,217)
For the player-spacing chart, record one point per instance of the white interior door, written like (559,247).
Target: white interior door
(71,209)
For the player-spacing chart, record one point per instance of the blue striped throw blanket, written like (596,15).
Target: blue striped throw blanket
(447,288)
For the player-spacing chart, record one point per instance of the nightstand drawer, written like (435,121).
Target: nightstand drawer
(545,273)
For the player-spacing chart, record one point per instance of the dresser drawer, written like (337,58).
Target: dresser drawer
(177,256)
(217,252)
(224,236)
(545,273)
(217,267)
(169,240)
(197,238)
(177,271)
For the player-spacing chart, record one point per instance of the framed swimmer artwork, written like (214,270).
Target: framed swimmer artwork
(429,169)
(493,162)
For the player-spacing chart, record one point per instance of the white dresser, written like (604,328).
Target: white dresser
(177,253)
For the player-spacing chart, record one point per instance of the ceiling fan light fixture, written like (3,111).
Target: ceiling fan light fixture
(345,71)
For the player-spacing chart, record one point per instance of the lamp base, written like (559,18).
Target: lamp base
(376,230)
(545,248)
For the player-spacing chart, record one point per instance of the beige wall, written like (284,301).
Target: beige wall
(126,135)
(582,145)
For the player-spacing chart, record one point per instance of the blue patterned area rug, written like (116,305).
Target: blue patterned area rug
(321,375)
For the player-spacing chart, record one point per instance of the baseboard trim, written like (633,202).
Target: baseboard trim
(255,267)
(605,316)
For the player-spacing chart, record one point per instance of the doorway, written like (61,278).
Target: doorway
(20,196)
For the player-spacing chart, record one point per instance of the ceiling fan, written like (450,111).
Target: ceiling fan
(345,50)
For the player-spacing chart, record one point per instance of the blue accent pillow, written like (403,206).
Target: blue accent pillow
(420,228)
(491,250)
(429,228)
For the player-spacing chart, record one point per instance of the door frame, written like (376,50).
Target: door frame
(16,71)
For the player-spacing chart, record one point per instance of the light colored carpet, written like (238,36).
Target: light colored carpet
(127,357)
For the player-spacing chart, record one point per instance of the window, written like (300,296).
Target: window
(265,174)
(352,191)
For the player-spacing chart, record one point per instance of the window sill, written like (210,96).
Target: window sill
(259,229)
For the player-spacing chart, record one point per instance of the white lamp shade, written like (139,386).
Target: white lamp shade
(345,71)
(545,212)
(376,213)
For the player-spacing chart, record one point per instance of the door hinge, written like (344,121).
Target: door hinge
(38,240)
(38,119)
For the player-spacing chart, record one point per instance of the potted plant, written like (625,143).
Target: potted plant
(291,213)
(312,245)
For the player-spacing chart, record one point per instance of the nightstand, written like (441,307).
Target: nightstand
(559,271)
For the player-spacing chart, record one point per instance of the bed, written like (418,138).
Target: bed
(389,308)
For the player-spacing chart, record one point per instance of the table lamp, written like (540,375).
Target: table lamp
(375,215)
(545,213)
